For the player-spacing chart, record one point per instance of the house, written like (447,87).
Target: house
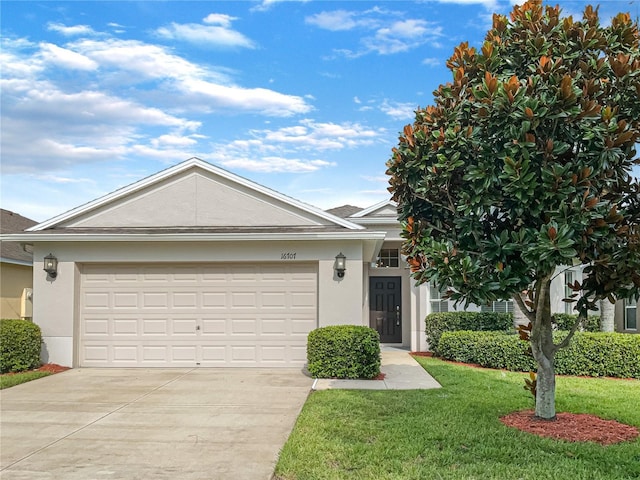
(197,266)
(16,270)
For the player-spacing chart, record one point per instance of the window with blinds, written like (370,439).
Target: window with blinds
(630,314)
(568,278)
(435,298)
(499,307)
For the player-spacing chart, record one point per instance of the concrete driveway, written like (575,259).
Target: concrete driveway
(149,424)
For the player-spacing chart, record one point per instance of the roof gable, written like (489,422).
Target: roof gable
(384,210)
(12,252)
(194,193)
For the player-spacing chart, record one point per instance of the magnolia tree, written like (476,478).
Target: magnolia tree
(523,165)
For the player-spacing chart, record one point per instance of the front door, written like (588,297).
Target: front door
(385,308)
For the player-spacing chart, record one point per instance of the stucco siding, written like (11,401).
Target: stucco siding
(194,199)
(56,305)
(13,280)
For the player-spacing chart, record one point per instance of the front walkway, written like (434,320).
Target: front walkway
(401,372)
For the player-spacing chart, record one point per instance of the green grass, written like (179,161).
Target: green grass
(10,380)
(455,432)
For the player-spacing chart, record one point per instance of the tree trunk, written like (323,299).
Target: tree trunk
(519,317)
(607,315)
(544,351)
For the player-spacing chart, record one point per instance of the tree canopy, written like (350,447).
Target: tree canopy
(524,161)
(524,164)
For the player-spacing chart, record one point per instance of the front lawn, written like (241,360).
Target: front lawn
(455,432)
(11,379)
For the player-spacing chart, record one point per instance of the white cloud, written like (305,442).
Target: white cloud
(431,62)
(234,98)
(44,123)
(217,34)
(293,148)
(65,58)
(219,19)
(188,85)
(63,180)
(488,4)
(175,140)
(398,110)
(335,21)
(386,32)
(275,164)
(75,30)
(265,5)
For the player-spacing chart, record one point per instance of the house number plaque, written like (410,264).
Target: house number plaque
(288,256)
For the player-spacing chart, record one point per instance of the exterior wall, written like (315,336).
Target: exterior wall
(414,299)
(56,300)
(14,279)
(195,199)
(619,318)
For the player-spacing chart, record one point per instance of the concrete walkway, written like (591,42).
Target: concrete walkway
(401,372)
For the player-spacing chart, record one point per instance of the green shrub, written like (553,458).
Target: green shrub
(20,343)
(600,354)
(564,321)
(343,351)
(590,354)
(437,323)
(488,349)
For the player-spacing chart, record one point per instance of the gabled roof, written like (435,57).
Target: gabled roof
(386,208)
(344,211)
(195,201)
(382,213)
(118,201)
(12,252)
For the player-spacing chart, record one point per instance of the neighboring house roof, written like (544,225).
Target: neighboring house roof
(195,200)
(383,213)
(344,211)
(12,252)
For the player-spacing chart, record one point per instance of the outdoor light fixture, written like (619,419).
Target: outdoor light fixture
(51,265)
(340,265)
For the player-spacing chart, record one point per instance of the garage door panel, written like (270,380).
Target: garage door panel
(187,315)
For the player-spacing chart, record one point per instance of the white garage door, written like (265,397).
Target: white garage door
(189,315)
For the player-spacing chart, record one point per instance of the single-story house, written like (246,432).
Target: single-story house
(197,266)
(16,268)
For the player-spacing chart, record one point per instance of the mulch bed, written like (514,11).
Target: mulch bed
(573,427)
(47,367)
(52,367)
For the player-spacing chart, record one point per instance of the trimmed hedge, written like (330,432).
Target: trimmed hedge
(20,344)
(564,321)
(590,354)
(437,323)
(343,351)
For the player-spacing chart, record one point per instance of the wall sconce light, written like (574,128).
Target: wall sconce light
(340,265)
(51,265)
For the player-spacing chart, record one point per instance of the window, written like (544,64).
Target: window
(435,297)
(504,306)
(630,315)
(388,257)
(568,278)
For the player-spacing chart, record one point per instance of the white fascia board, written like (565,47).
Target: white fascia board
(377,221)
(16,262)
(194,237)
(187,164)
(373,208)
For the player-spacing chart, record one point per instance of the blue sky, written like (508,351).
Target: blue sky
(304,97)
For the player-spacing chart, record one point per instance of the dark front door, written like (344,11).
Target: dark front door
(385,308)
